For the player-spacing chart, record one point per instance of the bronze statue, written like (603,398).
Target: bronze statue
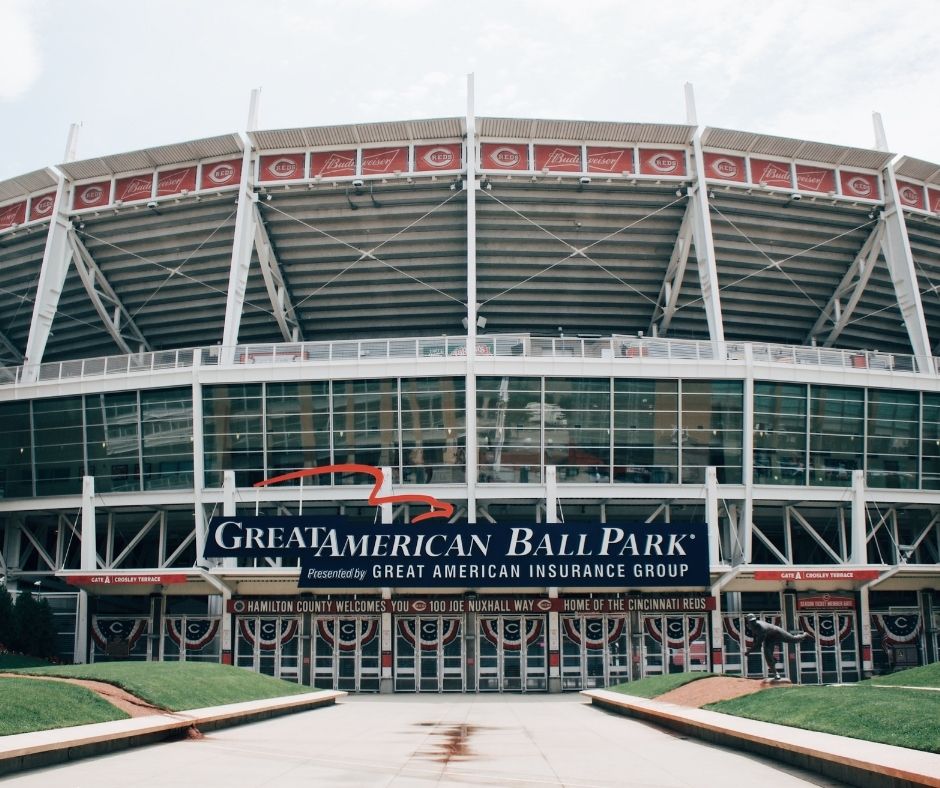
(769,636)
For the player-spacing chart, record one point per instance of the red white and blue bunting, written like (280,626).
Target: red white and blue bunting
(272,632)
(514,630)
(193,634)
(826,634)
(897,628)
(348,634)
(677,629)
(432,636)
(594,633)
(106,630)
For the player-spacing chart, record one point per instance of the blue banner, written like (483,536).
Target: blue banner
(337,554)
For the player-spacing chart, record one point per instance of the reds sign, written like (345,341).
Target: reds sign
(810,178)
(430,158)
(725,167)
(504,156)
(176,181)
(558,158)
(662,162)
(859,184)
(771,173)
(11,215)
(92,195)
(221,173)
(384,161)
(619,160)
(281,167)
(136,187)
(911,195)
(41,206)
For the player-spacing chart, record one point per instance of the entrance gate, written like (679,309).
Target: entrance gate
(674,644)
(831,657)
(595,651)
(269,645)
(347,653)
(429,654)
(512,654)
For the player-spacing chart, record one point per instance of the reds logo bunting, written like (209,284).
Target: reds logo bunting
(515,632)
(826,632)
(594,633)
(108,630)
(897,629)
(428,633)
(348,634)
(677,629)
(193,634)
(269,633)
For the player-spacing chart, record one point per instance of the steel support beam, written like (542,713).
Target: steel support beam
(838,312)
(675,273)
(705,246)
(117,320)
(470,414)
(281,301)
(8,351)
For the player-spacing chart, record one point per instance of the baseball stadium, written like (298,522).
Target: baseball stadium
(476,404)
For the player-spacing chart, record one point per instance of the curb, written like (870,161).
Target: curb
(853,761)
(23,751)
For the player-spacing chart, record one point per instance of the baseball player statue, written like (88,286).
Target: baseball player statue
(768,636)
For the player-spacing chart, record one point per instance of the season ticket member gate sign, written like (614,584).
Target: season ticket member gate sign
(333,552)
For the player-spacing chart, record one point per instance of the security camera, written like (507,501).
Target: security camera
(796,196)
(153,204)
(584,180)
(358,183)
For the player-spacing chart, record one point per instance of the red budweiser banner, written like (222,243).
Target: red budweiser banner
(41,206)
(12,214)
(221,173)
(859,184)
(445,156)
(504,156)
(933,200)
(771,173)
(333,164)
(911,195)
(384,161)
(558,158)
(615,160)
(662,162)
(176,181)
(810,178)
(92,195)
(135,187)
(281,167)
(725,167)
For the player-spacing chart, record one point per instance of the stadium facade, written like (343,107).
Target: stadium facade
(576,333)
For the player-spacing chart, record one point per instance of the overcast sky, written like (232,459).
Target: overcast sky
(137,73)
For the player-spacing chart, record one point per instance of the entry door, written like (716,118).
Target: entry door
(831,656)
(269,645)
(429,654)
(594,651)
(674,644)
(347,653)
(513,656)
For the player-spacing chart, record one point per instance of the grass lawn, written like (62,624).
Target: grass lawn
(924,676)
(179,685)
(658,685)
(40,705)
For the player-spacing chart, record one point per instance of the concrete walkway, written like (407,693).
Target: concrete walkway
(854,761)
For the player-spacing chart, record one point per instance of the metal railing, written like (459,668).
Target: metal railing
(619,348)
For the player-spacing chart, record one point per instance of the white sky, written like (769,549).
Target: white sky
(138,73)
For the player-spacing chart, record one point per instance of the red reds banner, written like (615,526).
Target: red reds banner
(429,158)
(859,184)
(616,160)
(933,200)
(176,181)
(558,158)
(504,156)
(12,214)
(92,195)
(333,164)
(725,167)
(217,174)
(662,162)
(136,187)
(384,161)
(771,173)
(281,167)
(911,195)
(41,206)
(810,178)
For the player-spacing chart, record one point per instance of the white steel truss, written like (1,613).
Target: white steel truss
(281,301)
(675,273)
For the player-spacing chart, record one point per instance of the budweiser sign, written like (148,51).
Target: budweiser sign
(429,158)
(771,173)
(93,195)
(11,215)
(504,156)
(619,160)
(221,173)
(137,187)
(558,158)
(859,184)
(933,200)
(42,206)
(283,167)
(911,195)
(384,161)
(726,168)
(815,179)
(662,162)
(176,181)
(334,163)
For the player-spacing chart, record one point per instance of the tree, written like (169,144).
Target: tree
(6,618)
(25,611)
(44,641)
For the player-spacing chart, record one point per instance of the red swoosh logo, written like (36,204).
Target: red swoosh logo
(439,508)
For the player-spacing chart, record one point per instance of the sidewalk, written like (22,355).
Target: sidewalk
(853,761)
(45,748)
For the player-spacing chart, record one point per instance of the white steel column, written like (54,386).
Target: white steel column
(470,395)
(711,516)
(385,491)
(554,619)
(387,514)
(702,231)
(243,243)
(897,251)
(199,464)
(88,563)
(745,527)
(859,551)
